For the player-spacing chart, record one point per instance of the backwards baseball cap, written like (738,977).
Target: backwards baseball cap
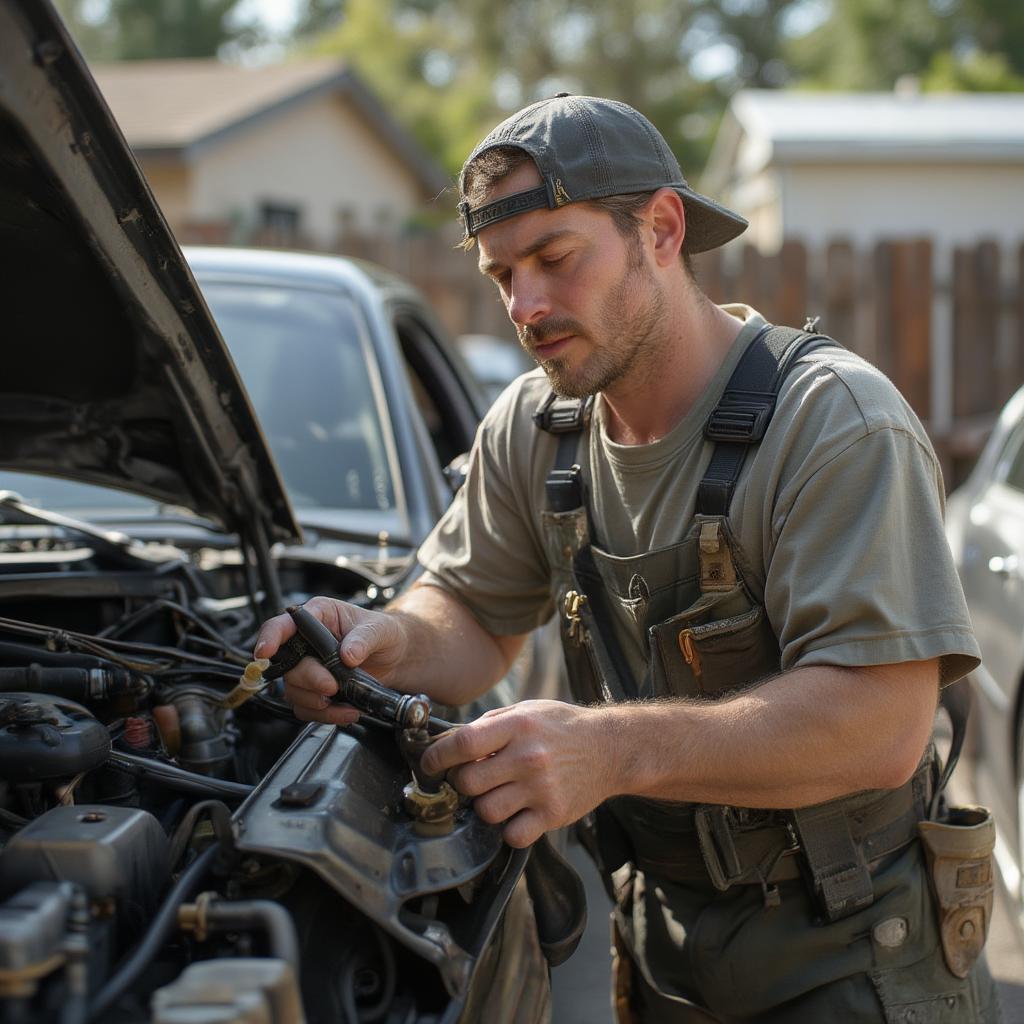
(589,148)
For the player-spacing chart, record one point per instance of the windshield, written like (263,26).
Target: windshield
(304,359)
(306,362)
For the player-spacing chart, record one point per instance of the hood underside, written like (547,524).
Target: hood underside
(113,371)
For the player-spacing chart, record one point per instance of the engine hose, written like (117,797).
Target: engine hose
(164,924)
(220,817)
(231,915)
(78,684)
(369,1014)
(177,778)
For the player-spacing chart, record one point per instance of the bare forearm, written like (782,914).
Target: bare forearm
(806,736)
(449,655)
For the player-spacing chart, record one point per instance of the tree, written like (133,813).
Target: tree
(139,29)
(945,44)
(452,68)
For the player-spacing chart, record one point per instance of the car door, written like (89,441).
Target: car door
(448,400)
(992,570)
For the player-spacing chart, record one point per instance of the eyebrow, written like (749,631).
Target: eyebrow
(489,267)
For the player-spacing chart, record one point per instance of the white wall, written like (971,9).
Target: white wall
(319,156)
(955,204)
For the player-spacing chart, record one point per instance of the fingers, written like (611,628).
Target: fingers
(272,634)
(335,615)
(524,824)
(367,636)
(524,829)
(471,742)
(478,776)
(331,714)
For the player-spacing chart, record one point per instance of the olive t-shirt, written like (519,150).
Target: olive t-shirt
(838,512)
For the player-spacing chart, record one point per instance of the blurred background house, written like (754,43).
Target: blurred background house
(897,218)
(865,166)
(291,153)
(877,152)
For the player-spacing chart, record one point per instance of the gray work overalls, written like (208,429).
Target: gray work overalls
(821,914)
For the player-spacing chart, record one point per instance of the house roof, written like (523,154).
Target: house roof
(180,107)
(780,127)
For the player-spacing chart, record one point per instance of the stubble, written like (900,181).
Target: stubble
(626,342)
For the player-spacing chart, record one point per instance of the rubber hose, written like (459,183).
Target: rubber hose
(220,817)
(177,778)
(225,915)
(164,923)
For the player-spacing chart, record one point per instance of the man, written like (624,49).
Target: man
(757,602)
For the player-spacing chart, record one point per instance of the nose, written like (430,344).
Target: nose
(528,302)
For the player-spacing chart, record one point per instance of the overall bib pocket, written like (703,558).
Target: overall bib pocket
(721,643)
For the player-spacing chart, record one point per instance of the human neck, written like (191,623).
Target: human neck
(656,394)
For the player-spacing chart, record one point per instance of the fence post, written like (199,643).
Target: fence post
(791,289)
(840,290)
(976,309)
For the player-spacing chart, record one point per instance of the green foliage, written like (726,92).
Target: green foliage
(977,72)
(451,69)
(945,44)
(144,29)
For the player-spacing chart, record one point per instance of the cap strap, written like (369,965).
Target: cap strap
(502,209)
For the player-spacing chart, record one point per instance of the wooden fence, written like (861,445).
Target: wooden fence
(945,324)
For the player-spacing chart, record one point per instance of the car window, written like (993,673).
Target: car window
(441,397)
(304,359)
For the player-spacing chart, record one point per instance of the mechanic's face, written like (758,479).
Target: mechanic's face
(584,301)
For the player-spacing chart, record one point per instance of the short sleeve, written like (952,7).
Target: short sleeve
(861,573)
(486,549)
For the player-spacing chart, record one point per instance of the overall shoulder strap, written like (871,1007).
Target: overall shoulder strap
(743,413)
(566,418)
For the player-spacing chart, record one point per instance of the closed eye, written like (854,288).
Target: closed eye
(553,261)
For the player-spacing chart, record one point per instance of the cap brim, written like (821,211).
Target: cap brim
(708,225)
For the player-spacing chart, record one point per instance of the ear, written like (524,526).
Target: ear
(666,218)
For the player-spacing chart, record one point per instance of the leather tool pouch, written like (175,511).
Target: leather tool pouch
(958,849)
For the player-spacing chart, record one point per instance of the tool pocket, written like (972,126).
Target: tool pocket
(722,642)
(958,850)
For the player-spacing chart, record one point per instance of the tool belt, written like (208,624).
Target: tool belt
(733,846)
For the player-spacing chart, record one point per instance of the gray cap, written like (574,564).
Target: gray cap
(588,148)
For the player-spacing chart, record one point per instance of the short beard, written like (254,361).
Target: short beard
(631,318)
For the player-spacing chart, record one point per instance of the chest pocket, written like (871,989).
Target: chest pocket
(720,642)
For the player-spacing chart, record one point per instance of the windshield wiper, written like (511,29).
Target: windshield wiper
(118,547)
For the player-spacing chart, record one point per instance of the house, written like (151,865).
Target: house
(288,152)
(868,166)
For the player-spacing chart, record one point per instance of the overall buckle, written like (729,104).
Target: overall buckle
(741,416)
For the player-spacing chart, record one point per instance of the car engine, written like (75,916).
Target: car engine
(172,854)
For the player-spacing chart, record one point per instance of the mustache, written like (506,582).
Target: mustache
(531,335)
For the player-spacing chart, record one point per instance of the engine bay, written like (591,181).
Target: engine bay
(163,850)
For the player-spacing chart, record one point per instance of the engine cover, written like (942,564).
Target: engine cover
(117,854)
(45,738)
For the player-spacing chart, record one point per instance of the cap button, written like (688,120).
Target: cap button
(560,95)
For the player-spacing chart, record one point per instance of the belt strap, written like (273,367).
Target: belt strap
(841,876)
(870,826)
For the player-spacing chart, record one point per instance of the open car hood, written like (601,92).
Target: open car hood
(113,371)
